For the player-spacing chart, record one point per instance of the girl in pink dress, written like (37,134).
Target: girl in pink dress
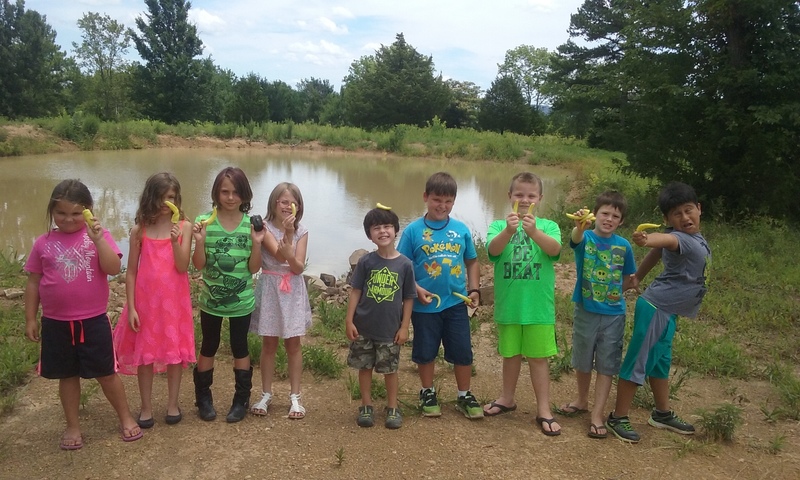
(155,332)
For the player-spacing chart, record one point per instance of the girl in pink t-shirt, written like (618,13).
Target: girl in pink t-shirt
(67,274)
(155,332)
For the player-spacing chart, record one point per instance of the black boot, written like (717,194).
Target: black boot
(202,394)
(241,399)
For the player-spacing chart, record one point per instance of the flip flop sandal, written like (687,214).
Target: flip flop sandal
(501,409)
(594,431)
(260,408)
(570,410)
(131,438)
(550,421)
(77,443)
(296,411)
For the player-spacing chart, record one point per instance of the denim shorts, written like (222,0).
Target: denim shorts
(597,341)
(449,328)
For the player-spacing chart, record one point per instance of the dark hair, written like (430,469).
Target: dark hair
(380,216)
(156,186)
(675,194)
(240,183)
(526,177)
(71,191)
(612,198)
(441,183)
(272,203)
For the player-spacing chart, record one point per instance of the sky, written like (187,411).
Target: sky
(291,40)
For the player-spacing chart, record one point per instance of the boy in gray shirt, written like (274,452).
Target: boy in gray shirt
(678,290)
(379,313)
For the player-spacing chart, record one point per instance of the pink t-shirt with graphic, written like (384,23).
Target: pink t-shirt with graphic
(73,287)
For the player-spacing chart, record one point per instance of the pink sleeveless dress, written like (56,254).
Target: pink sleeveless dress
(164,304)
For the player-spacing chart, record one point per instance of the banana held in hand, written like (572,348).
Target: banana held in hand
(516,206)
(294,210)
(466,299)
(530,208)
(437,297)
(89,217)
(176,213)
(211,218)
(646,226)
(381,206)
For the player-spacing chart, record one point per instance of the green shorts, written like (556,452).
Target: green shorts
(530,341)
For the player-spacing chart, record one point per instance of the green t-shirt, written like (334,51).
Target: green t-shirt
(524,277)
(227,288)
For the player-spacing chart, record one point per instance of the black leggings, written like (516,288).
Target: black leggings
(211,326)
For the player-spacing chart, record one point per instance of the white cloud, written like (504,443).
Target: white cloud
(342,12)
(207,22)
(543,5)
(331,26)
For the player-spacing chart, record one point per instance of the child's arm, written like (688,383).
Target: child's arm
(648,262)
(254,264)
(402,334)
(110,262)
(580,226)
(181,251)
(130,277)
(548,244)
(473,279)
(656,240)
(499,242)
(32,306)
(199,255)
(352,302)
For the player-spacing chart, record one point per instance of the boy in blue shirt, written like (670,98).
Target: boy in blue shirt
(445,263)
(678,290)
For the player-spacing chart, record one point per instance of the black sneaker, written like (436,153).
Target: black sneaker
(670,421)
(429,403)
(365,416)
(394,419)
(622,428)
(469,406)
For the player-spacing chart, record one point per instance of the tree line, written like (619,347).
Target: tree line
(702,91)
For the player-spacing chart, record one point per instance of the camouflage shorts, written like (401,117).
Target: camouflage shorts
(368,354)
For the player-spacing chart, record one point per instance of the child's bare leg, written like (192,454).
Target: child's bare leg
(174,375)
(144,376)
(115,393)
(540,379)
(625,392)
(69,390)
(511,369)
(294,356)
(660,387)
(365,385)
(426,372)
(584,381)
(602,388)
(463,376)
(269,347)
(392,387)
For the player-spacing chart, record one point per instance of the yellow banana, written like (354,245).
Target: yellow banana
(381,206)
(294,210)
(466,299)
(646,226)
(516,206)
(530,208)
(211,218)
(573,217)
(437,297)
(176,213)
(89,217)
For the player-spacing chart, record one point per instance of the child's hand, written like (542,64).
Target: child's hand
(199,232)
(133,320)
(424,296)
(512,222)
(476,299)
(351,331)
(401,336)
(583,224)
(175,233)
(257,237)
(288,224)
(529,223)
(95,231)
(32,330)
(631,283)
(640,238)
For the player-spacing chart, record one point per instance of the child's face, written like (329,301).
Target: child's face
(526,194)
(283,208)
(439,206)
(685,218)
(68,216)
(608,219)
(382,235)
(229,199)
(170,196)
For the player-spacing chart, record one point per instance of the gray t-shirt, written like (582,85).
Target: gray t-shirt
(680,288)
(384,283)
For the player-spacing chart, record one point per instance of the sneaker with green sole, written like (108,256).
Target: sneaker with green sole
(670,421)
(469,406)
(429,404)
(622,428)
(365,417)
(394,419)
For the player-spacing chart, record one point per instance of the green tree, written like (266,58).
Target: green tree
(173,84)
(396,86)
(314,94)
(504,108)
(102,52)
(284,102)
(32,65)
(250,102)
(529,67)
(462,111)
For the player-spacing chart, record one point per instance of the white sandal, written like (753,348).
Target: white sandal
(296,411)
(260,408)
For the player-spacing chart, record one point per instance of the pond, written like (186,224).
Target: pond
(338,189)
